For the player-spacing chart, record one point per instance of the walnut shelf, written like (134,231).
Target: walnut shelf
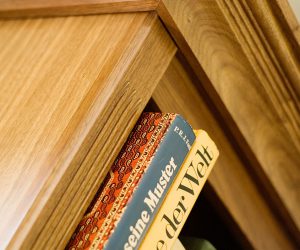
(71,90)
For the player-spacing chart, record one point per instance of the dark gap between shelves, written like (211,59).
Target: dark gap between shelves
(205,222)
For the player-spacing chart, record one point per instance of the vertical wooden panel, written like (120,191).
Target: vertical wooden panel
(230,179)
(250,68)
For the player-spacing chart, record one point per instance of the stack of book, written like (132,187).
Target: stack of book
(151,187)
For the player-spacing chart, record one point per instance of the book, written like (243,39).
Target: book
(135,186)
(183,194)
(177,245)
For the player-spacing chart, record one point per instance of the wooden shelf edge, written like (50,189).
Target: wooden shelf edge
(94,134)
(40,8)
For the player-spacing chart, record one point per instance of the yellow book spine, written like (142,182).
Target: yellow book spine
(182,195)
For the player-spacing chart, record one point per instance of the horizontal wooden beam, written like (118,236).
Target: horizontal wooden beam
(33,8)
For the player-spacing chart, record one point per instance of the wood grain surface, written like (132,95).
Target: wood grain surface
(70,91)
(284,11)
(234,186)
(25,8)
(272,55)
(250,68)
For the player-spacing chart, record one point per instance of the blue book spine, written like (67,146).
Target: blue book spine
(152,188)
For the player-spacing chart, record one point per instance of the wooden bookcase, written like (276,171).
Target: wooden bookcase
(75,76)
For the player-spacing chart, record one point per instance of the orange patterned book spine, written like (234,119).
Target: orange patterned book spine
(118,186)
